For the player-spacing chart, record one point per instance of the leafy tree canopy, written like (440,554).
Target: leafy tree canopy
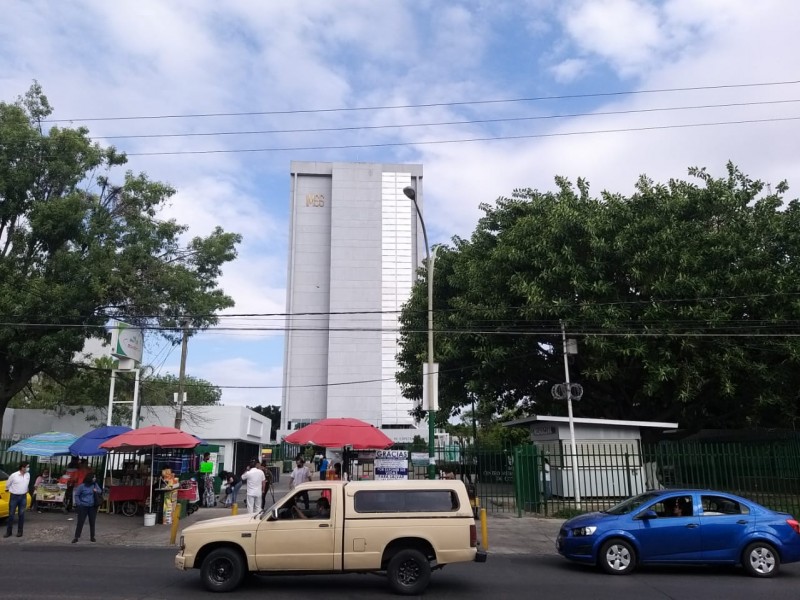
(273,413)
(78,248)
(88,385)
(683,298)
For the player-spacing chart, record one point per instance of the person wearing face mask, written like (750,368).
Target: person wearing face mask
(17,486)
(87,498)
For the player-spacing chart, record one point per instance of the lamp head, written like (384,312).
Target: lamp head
(410,192)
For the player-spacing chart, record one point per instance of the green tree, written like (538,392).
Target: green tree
(273,413)
(683,297)
(77,249)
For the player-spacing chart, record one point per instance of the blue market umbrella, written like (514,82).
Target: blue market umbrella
(52,443)
(89,443)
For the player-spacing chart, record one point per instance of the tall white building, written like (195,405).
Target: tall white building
(353,252)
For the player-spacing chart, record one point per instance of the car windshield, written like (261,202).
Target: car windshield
(631,504)
(3,475)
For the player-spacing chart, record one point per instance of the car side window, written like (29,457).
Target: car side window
(674,506)
(715,506)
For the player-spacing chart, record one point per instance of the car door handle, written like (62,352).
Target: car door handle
(324,525)
(741,522)
(692,525)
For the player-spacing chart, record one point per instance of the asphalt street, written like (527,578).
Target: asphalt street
(94,572)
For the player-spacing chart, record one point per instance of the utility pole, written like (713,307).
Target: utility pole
(182,374)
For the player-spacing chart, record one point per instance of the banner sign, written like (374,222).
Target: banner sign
(391,464)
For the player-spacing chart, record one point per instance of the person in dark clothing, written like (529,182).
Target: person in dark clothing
(87,500)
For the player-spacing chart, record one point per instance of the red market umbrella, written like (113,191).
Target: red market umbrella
(155,436)
(338,433)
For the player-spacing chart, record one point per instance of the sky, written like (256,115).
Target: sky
(488,95)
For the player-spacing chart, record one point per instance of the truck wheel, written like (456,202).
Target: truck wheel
(223,570)
(409,572)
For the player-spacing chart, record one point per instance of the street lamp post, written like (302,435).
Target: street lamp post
(432,372)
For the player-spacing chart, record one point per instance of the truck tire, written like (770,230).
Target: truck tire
(409,572)
(222,570)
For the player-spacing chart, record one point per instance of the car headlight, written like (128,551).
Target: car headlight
(584,531)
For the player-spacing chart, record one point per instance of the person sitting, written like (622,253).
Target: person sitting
(323,510)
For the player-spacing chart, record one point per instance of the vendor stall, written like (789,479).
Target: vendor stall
(163,495)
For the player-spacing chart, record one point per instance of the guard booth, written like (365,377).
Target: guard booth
(607,452)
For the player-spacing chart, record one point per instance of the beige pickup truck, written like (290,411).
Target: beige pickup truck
(404,529)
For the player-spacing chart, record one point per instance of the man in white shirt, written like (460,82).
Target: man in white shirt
(256,485)
(17,485)
(299,475)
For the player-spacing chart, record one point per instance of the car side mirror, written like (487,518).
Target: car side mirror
(648,514)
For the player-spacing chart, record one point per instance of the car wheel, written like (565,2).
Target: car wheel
(223,570)
(761,560)
(617,557)
(409,572)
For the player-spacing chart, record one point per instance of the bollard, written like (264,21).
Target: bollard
(484,530)
(234,509)
(176,518)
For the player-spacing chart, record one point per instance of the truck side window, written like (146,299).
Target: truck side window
(396,501)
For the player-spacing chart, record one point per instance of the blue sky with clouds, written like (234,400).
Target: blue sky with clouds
(98,60)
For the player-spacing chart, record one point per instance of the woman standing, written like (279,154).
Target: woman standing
(87,498)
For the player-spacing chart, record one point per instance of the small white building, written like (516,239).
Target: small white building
(608,454)
(238,431)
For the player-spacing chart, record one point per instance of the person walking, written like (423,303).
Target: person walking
(268,481)
(88,497)
(299,475)
(256,484)
(17,485)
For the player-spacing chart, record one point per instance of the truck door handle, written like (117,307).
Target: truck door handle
(324,525)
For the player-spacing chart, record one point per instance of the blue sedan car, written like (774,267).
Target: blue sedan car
(682,527)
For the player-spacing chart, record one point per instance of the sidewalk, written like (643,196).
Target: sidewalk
(507,533)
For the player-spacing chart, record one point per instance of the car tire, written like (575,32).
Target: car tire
(760,559)
(222,570)
(409,572)
(617,557)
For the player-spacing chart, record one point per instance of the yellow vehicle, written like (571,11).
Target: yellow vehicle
(403,529)
(5,497)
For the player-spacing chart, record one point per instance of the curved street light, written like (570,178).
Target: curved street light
(432,383)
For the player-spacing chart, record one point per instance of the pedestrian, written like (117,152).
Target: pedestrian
(256,484)
(323,468)
(299,475)
(268,480)
(88,496)
(207,497)
(17,485)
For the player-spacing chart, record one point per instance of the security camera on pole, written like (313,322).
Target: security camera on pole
(569,392)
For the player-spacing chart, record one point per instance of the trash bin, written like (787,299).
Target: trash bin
(184,505)
(287,466)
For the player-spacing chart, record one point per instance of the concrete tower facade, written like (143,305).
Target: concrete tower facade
(353,252)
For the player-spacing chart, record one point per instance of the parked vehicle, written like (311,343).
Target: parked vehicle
(5,497)
(404,529)
(683,527)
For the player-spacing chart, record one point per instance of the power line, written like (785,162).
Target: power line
(432,104)
(442,123)
(463,140)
